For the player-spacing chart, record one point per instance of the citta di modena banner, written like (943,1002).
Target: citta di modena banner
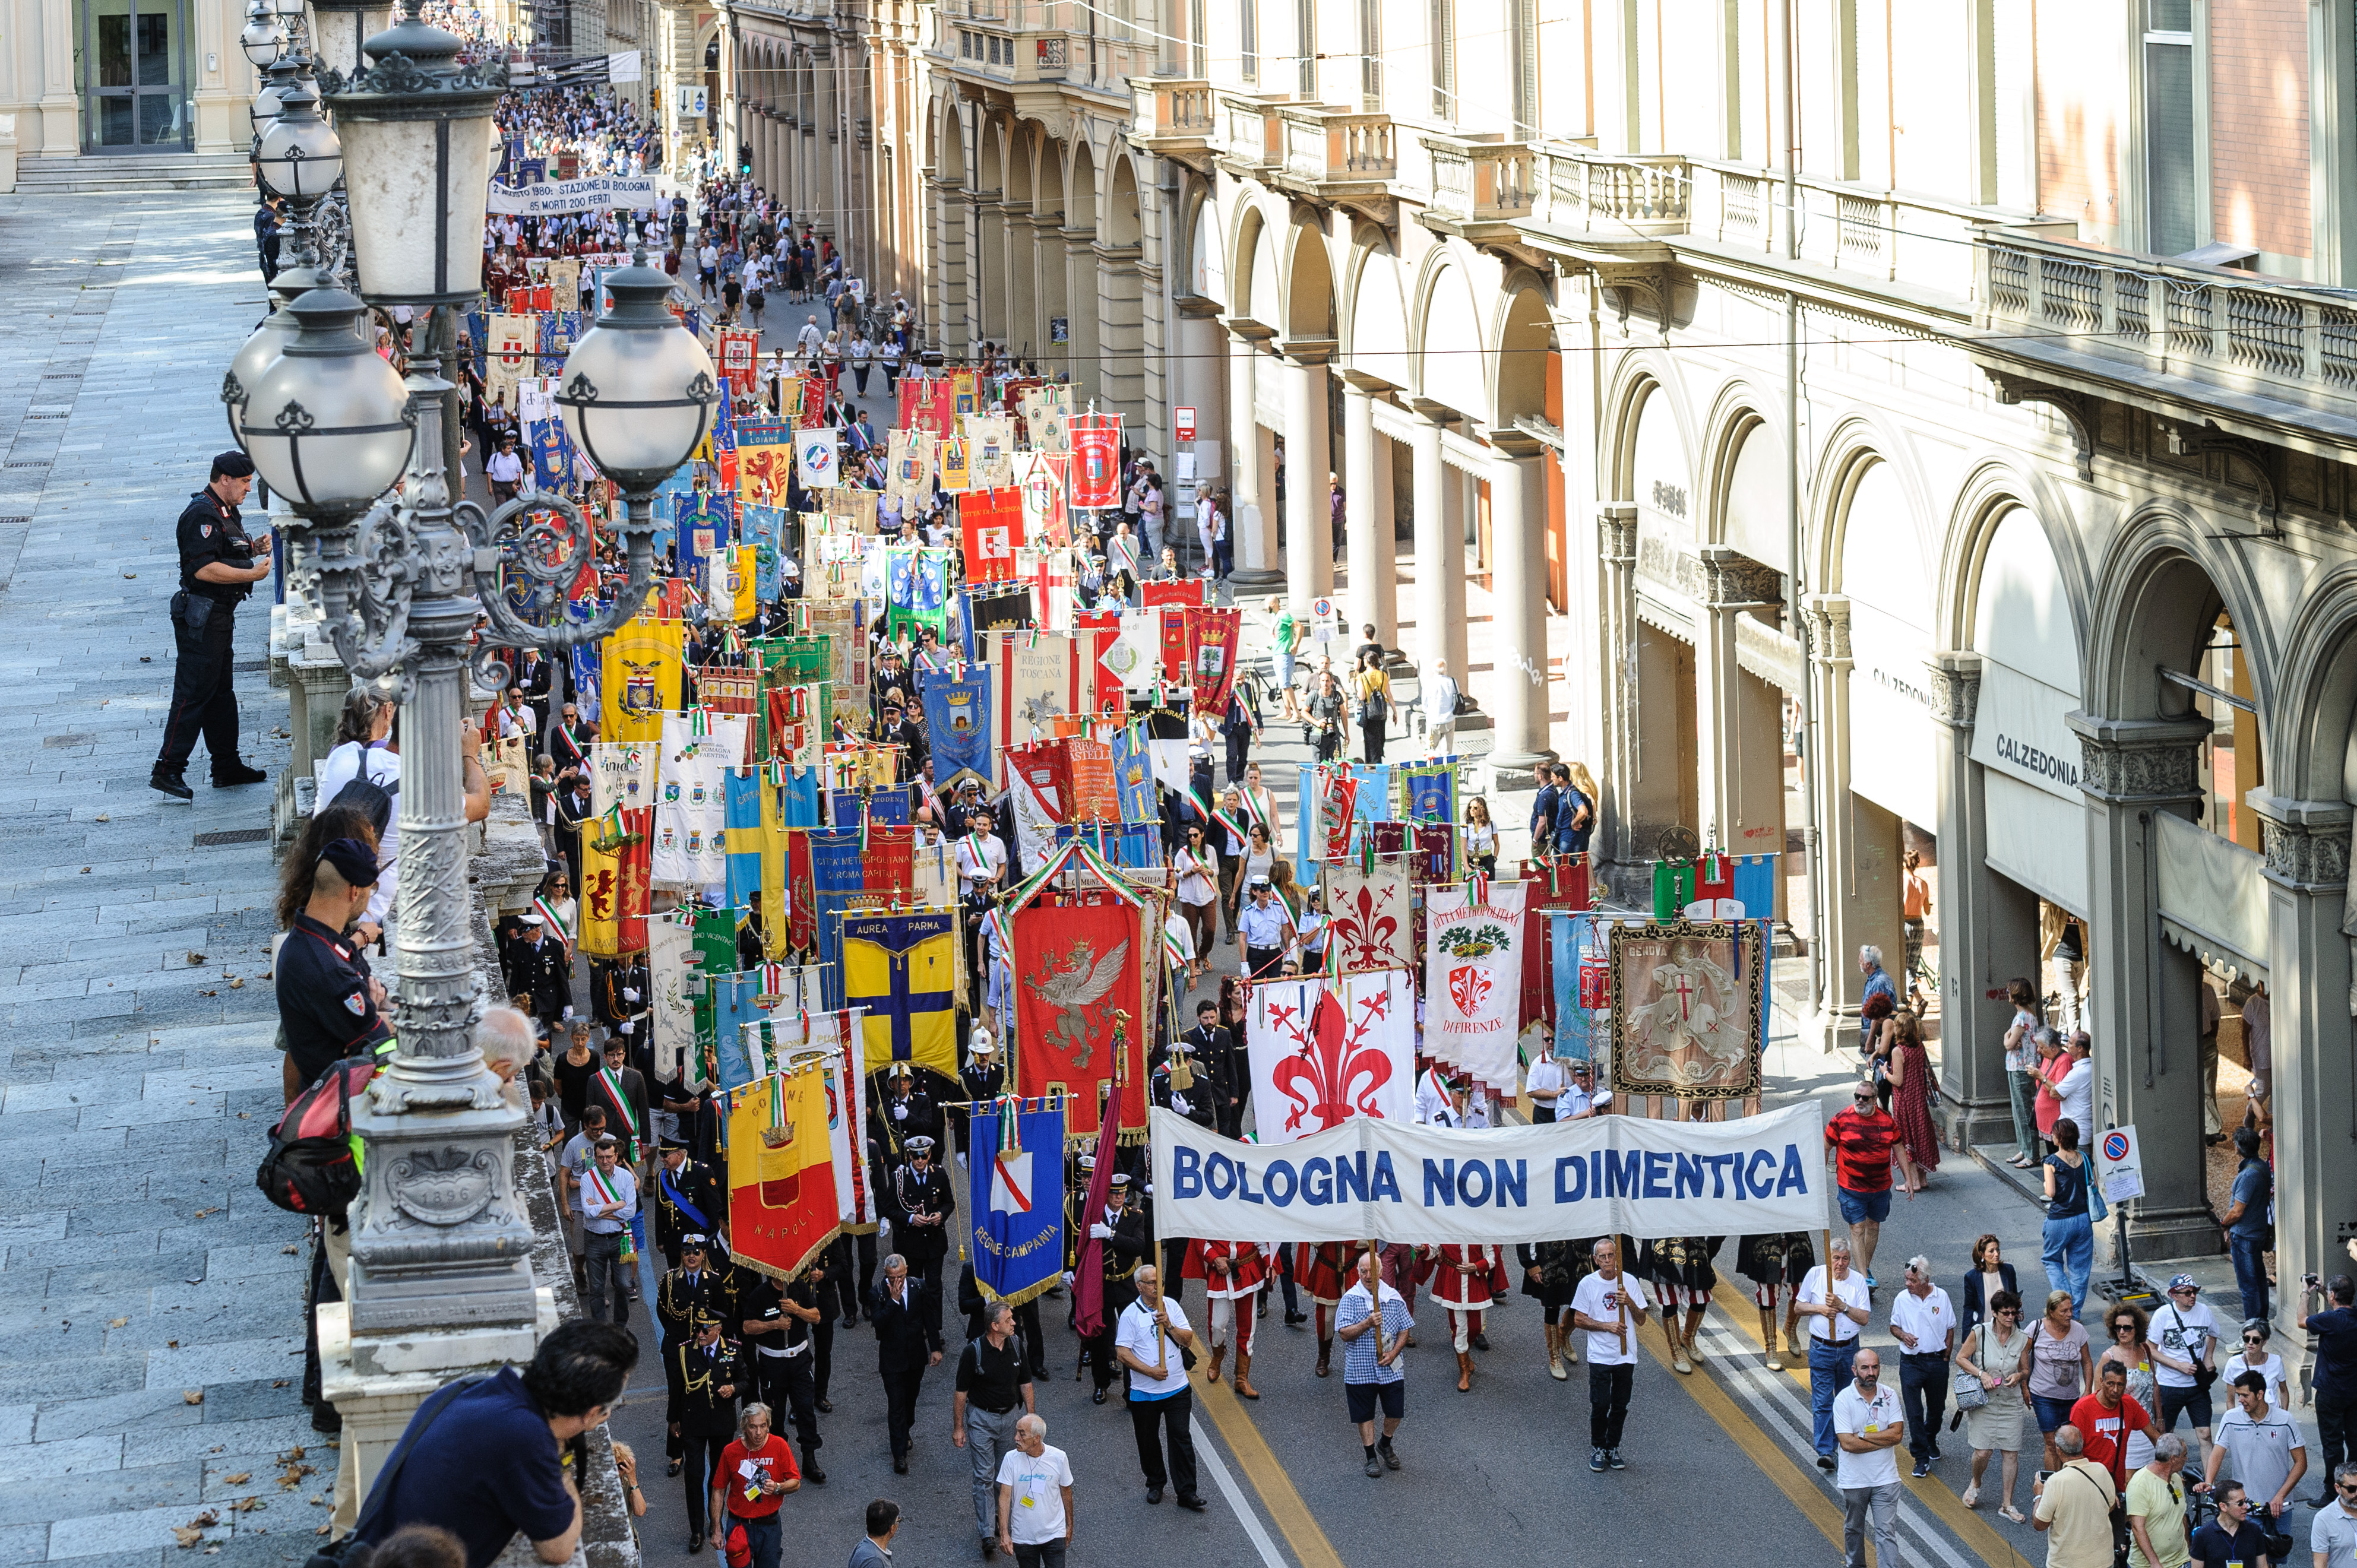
(1754,1175)
(597,193)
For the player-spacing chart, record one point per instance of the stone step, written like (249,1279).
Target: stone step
(133,173)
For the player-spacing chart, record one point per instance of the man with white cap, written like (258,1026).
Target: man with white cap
(918,1202)
(982,1079)
(1265,930)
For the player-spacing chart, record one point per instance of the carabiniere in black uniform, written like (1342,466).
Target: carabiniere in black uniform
(693,1290)
(212,537)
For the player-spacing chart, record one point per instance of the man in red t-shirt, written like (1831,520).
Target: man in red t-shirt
(2104,1418)
(754,1472)
(1863,1139)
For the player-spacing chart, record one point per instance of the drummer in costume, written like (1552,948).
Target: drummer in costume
(1551,1271)
(1121,1230)
(691,1199)
(1234,1274)
(1464,1279)
(693,1289)
(1681,1271)
(1775,1263)
(1324,1269)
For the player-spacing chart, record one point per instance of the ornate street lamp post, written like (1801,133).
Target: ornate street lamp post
(440,1240)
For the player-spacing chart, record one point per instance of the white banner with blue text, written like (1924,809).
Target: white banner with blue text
(1399,1182)
(595,193)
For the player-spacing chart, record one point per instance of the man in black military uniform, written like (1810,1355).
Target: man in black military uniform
(1180,1084)
(1217,1061)
(690,1199)
(1122,1230)
(329,1004)
(907,1112)
(782,1324)
(692,1290)
(218,566)
(705,1372)
(542,969)
(982,1079)
(919,1203)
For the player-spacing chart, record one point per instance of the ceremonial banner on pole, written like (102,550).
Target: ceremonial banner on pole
(1472,988)
(954,461)
(1430,789)
(764,453)
(782,1202)
(1178,594)
(1039,476)
(908,472)
(642,679)
(1338,798)
(601,888)
(1075,967)
(637,890)
(1431,1186)
(991,521)
(1095,477)
(814,457)
(902,968)
(676,974)
(1212,643)
(1369,913)
(1015,1206)
(1323,1051)
(1036,685)
(621,774)
(991,440)
(957,721)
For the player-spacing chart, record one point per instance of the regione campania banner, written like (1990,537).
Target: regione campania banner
(1403,1182)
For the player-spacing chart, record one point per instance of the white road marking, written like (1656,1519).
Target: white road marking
(1207,1455)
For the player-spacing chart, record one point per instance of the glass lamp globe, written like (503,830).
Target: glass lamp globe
(261,350)
(300,157)
(329,426)
(263,41)
(638,389)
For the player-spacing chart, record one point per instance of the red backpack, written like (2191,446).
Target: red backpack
(310,1168)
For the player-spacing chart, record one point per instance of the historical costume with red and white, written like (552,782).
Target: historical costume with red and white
(1234,1274)
(1680,1269)
(1464,1278)
(1324,1269)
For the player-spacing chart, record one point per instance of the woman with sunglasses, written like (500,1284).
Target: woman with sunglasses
(2255,1357)
(2125,1342)
(1997,1353)
(2060,1370)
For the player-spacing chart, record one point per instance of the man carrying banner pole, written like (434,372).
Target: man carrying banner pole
(1374,1341)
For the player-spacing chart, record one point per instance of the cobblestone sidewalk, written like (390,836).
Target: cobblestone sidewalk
(150,1298)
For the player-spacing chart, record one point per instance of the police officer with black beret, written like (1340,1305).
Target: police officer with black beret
(218,566)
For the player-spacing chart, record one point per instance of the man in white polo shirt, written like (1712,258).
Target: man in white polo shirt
(1868,1424)
(1924,1324)
(2258,1445)
(1151,1341)
(1611,1305)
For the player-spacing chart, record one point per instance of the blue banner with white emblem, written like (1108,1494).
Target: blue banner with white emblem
(957,722)
(1015,1211)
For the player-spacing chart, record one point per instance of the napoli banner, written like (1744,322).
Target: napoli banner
(1597,1176)
(1015,1206)
(1323,1052)
(957,722)
(1473,969)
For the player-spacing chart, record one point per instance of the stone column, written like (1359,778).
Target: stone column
(1616,697)
(1835,1017)
(1518,599)
(2145,995)
(1308,452)
(1251,520)
(986,288)
(1047,269)
(1081,295)
(1120,303)
(1733,586)
(1988,935)
(2309,970)
(1366,521)
(945,281)
(1439,546)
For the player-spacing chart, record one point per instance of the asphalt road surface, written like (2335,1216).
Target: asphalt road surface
(1720,1464)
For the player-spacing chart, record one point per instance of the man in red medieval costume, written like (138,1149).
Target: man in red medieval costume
(1234,1274)
(1465,1278)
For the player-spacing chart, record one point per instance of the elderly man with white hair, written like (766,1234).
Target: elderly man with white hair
(1035,1499)
(509,1043)
(1923,1321)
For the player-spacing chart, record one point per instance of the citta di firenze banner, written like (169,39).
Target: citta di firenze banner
(598,193)
(1400,1182)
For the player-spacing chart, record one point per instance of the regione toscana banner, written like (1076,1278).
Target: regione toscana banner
(1599,1175)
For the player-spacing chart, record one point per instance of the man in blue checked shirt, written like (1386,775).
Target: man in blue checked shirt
(1371,1372)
